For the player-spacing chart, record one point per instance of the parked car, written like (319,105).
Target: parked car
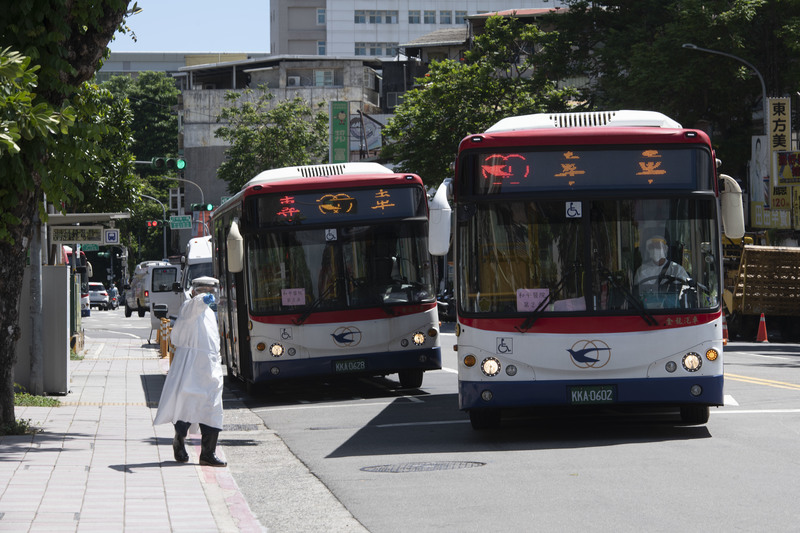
(113,297)
(98,296)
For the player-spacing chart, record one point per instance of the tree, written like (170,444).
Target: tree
(499,77)
(151,98)
(66,41)
(263,134)
(631,53)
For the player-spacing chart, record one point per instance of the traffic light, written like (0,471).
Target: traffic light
(153,223)
(167,163)
(202,207)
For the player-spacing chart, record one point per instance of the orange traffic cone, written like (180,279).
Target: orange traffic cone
(724,330)
(762,330)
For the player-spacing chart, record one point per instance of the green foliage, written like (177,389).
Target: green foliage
(264,134)
(633,59)
(500,77)
(18,427)
(24,123)
(29,400)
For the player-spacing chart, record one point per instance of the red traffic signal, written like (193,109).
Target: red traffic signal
(152,223)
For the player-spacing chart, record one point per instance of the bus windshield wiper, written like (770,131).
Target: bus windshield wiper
(637,305)
(307,313)
(540,309)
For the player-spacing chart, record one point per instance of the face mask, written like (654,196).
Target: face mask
(657,253)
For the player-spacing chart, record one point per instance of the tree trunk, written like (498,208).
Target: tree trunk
(12,268)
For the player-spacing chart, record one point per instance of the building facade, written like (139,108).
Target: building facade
(371,28)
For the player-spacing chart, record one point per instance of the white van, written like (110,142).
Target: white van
(165,290)
(197,263)
(137,293)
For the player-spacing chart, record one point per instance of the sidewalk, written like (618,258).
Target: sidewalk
(99,464)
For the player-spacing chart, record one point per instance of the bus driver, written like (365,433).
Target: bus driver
(659,280)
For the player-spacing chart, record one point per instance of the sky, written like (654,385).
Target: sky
(197,26)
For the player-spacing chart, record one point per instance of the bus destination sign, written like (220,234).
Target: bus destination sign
(327,206)
(585,168)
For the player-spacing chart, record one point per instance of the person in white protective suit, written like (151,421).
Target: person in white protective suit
(659,280)
(192,392)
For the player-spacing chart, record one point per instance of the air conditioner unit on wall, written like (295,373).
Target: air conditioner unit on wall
(293,81)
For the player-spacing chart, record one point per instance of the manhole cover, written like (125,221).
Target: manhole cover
(427,466)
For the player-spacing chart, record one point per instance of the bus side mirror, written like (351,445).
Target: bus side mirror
(235,249)
(176,287)
(731,207)
(439,222)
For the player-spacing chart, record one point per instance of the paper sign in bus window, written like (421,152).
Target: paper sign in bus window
(293,296)
(529,299)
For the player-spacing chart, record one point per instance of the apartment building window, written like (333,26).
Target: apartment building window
(430,17)
(445,17)
(413,17)
(391,17)
(375,17)
(360,17)
(376,49)
(321,48)
(321,16)
(323,78)
(461,17)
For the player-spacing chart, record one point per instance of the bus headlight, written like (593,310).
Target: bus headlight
(276,350)
(261,346)
(671,366)
(432,332)
(418,338)
(511,370)
(490,366)
(469,361)
(692,362)
(712,354)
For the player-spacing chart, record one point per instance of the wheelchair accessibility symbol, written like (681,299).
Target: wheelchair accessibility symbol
(574,210)
(505,345)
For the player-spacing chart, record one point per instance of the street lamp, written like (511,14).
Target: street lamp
(691,46)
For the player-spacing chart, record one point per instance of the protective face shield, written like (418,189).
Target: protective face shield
(657,250)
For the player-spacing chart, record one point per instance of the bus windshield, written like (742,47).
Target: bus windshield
(339,268)
(615,256)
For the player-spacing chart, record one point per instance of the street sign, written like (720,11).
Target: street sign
(111,236)
(180,222)
(90,247)
(76,235)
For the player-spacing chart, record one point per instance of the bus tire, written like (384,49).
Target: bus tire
(482,419)
(694,414)
(128,311)
(410,379)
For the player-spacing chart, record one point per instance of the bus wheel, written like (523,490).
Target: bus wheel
(484,418)
(410,379)
(694,414)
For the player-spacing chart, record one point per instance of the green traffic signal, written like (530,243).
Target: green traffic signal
(167,163)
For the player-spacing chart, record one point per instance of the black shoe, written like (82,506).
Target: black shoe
(208,447)
(212,460)
(179,450)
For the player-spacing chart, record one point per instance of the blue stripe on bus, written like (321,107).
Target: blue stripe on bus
(379,363)
(664,391)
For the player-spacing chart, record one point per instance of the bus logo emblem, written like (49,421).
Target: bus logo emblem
(346,336)
(590,354)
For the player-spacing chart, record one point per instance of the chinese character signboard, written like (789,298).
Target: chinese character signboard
(339,133)
(76,235)
(772,176)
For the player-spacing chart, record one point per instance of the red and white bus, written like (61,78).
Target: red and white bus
(325,270)
(587,256)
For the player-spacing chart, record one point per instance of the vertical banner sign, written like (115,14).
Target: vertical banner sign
(780,137)
(338,140)
(758,184)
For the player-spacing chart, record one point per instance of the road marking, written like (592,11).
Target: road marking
(432,423)
(728,400)
(754,411)
(765,382)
